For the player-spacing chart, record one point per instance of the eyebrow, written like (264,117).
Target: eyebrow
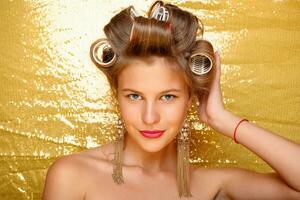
(165,91)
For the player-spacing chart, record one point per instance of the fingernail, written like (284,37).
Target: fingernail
(218,51)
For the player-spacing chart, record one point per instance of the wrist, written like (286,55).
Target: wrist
(225,123)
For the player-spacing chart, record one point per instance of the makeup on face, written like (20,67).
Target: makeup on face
(152,98)
(152,133)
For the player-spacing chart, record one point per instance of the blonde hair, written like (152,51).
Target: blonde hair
(144,38)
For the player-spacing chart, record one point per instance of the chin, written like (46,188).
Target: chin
(152,148)
(154,145)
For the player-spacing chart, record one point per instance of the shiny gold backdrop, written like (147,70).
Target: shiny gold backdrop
(54,101)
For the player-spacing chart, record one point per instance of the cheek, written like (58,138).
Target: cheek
(176,113)
(129,112)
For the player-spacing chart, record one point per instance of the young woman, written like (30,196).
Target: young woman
(155,66)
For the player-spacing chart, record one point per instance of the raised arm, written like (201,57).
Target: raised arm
(281,154)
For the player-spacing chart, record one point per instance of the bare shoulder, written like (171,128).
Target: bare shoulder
(216,178)
(75,168)
(60,178)
(215,175)
(208,181)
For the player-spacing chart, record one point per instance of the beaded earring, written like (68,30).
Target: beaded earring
(118,157)
(183,150)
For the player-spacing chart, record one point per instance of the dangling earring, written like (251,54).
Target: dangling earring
(118,157)
(183,172)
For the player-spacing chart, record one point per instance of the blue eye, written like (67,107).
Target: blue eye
(170,97)
(133,95)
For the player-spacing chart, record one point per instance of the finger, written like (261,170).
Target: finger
(216,82)
(218,65)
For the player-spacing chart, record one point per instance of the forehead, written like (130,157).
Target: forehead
(159,74)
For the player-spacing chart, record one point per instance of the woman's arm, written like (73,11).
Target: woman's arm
(243,184)
(281,154)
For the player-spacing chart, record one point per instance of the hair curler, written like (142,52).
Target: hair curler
(201,59)
(102,54)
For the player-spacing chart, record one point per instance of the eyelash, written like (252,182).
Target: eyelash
(163,95)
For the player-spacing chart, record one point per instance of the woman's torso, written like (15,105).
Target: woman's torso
(97,182)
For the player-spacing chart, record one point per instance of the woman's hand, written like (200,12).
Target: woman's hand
(211,104)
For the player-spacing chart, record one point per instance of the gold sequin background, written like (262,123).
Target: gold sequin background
(54,101)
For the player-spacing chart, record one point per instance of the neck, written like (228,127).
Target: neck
(163,160)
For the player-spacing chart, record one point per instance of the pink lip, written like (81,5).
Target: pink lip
(152,133)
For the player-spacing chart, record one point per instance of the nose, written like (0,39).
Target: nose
(150,115)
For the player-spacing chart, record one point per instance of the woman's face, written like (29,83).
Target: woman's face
(152,97)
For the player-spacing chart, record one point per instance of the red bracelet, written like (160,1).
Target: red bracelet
(234,134)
